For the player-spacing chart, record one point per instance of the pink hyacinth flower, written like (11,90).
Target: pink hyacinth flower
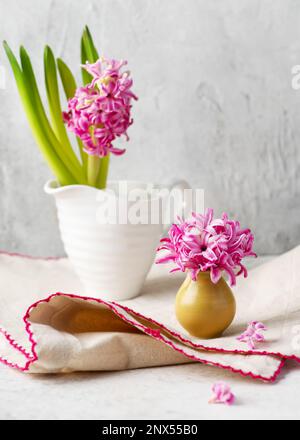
(100,113)
(222,394)
(202,243)
(253,334)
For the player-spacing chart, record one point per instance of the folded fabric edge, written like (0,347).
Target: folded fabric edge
(30,257)
(28,358)
(32,357)
(205,347)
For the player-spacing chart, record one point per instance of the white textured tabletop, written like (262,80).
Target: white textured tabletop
(175,392)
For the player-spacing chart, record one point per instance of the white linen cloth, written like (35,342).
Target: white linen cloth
(46,327)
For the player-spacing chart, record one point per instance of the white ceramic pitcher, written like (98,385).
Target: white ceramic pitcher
(111,260)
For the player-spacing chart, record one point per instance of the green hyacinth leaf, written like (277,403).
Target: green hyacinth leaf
(69,86)
(86,77)
(67,79)
(55,105)
(90,48)
(31,83)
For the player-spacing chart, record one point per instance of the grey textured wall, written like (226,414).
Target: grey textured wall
(216,107)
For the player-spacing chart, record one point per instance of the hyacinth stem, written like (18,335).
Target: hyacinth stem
(93,169)
(97,168)
(102,177)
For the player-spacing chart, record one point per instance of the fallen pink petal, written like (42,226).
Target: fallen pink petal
(253,334)
(222,394)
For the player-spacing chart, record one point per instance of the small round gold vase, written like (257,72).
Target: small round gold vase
(203,308)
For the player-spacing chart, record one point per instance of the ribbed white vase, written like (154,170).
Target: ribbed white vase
(111,260)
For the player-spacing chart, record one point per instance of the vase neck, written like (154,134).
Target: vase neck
(202,275)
